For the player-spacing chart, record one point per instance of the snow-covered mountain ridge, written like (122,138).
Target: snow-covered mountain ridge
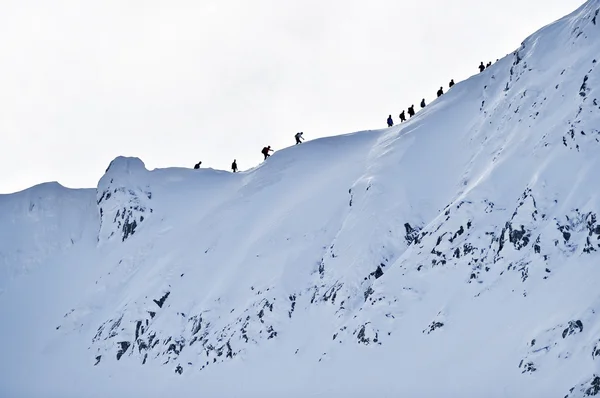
(454,255)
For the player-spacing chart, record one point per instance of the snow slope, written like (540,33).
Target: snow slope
(39,223)
(454,255)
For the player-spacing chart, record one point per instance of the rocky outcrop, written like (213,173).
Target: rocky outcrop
(124,201)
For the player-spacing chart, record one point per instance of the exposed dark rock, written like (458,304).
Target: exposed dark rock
(368,292)
(412,234)
(594,388)
(162,299)
(196,324)
(113,329)
(293,300)
(589,246)
(128,228)
(151,339)
(124,345)
(98,358)
(501,241)
(468,249)
(362,336)
(378,273)
(142,345)
(331,293)
(433,326)
(230,351)
(518,237)
(272,332)
(583,88)
(460,231)
(529,367)
(573,328)
(138,326)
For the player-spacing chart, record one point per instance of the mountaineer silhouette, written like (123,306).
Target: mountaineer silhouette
(265,151)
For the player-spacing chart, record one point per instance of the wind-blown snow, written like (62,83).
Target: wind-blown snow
(454,255)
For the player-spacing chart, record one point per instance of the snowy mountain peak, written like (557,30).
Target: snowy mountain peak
(461,247)
(123,166)
(124,200)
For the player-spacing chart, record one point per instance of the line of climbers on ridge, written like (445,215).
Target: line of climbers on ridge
(483,67)
(298,136)
(265,151)
(411,112)
(440,92)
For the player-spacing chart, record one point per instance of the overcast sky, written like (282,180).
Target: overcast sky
(174,82)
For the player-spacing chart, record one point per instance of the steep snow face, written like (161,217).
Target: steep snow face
(454,255)
(39,223)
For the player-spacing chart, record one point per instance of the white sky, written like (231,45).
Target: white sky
(174,82)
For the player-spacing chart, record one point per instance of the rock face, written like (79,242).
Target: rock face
(124,202)
(460,247)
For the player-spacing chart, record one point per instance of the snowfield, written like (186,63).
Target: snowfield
(455,255)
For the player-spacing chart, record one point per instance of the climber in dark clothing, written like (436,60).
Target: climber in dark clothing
(481,67)
(265,151)
(197,165)
(298,138)
(390,122)
(402,117)
(411,111)
(423,103)
(234,166)
(488,64)
(440,92)
(451,83)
